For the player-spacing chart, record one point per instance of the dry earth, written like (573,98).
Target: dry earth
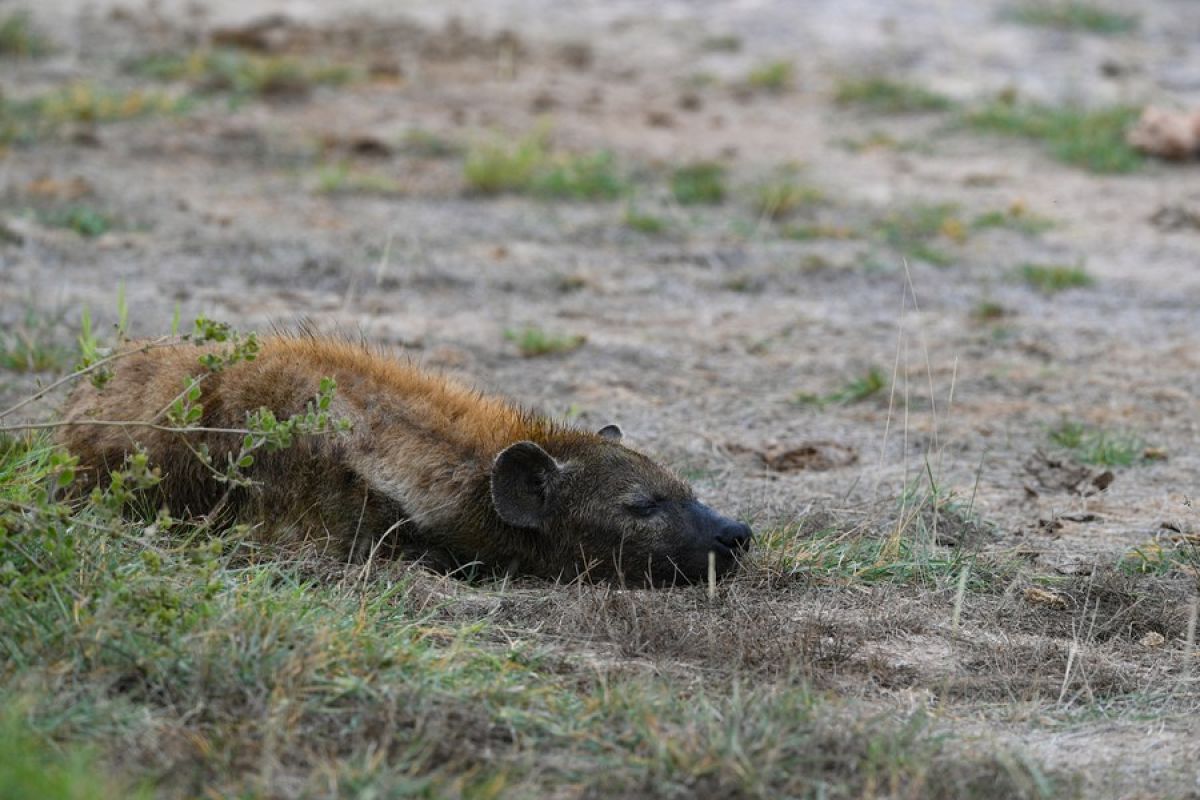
(700,339)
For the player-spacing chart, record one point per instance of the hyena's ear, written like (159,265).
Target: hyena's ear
(611,432)
(523,482)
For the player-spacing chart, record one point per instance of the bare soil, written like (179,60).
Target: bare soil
(700,339)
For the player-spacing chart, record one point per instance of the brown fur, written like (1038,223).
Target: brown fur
(415,473)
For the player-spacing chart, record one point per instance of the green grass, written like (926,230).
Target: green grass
(774,76)
(19,38)
(888,96)
(24,122)
(1093,139)
(1074,15)
(907,553)
(199,665)
(918,230)
(533,342)
(722,43)
(344,178)
(701,183)
(1054,278)
(865,386)
(1164,557)
(591,176)
(33,346)
(424,144)
(1097,446)
(241,73)
(1014,218)
(642,222)
(85,220)
(807,233)
(34,768)
(529,166)
(782,197)
(495,167)
(989,311)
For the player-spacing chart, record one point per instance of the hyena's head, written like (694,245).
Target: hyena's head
(611,511)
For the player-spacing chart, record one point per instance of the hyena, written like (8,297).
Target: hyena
(429,468)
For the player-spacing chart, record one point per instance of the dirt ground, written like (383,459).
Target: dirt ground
(700,339)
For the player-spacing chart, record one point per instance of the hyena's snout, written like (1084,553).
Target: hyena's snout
(710,532)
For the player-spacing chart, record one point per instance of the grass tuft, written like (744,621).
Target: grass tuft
(867,385)
(1074,15)
(643,222)
(241,73)
(1097,446)
(1054,278)
(700,183)
(774,76)
(888,96)
(19,38)
(915,231)
(25,121)
(85,220)
(1014,218)
(425,144)
(528,166)
(343,178)
(533,342)
(32,346)
(781,197)
(1092,139)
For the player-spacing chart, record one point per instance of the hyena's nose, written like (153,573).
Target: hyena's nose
(735,535)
